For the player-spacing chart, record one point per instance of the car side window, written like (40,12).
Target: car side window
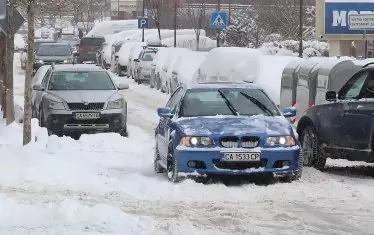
(174,99)
(352,89)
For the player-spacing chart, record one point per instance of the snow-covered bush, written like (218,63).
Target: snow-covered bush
(310,48)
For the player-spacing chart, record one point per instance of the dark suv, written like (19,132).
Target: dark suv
(343,127)
(88,48)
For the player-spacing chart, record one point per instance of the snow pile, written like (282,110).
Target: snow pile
(310,48)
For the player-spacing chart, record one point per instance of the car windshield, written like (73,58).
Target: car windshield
(54,50)
(148,56)
(227,101)
(80,80)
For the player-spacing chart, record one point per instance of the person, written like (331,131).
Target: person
(80,35)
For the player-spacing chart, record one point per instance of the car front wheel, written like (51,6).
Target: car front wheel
(312,154)
(172,169)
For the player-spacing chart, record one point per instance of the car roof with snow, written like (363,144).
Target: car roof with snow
(218,85)
(77,67)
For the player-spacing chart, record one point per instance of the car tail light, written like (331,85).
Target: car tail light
(293,103)
(83,48)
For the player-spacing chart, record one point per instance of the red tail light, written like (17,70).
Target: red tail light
(83,48)
(293,103)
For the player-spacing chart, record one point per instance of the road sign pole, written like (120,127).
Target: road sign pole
(218,30)
(364,52)
(143,16)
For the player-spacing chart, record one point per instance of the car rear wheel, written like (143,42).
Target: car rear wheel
(312,154)
(172,170)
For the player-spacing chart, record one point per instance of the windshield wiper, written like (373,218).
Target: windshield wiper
(228,103)
(258,103)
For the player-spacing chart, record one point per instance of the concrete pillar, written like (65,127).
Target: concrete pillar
(342,48)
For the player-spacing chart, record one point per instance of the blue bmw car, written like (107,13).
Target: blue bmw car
(225,129)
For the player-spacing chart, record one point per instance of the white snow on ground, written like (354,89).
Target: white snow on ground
(104,184)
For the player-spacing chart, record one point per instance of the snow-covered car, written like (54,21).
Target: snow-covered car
(114,55)
(143,68)
(167,67)
(225,128)
(80,99)
(185,69)
(134,54)
(123,58)
(156,67)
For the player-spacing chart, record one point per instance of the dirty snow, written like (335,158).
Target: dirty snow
(104,184)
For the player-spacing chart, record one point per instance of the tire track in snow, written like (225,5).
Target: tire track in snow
(229,217)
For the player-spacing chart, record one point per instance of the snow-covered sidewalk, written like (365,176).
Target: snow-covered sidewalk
(105,184)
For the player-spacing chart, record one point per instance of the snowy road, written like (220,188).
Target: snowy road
(104,184)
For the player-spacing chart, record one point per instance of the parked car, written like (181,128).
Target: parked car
(343,126)
(37,79)
(87,49)
(123,58)
(156,67)
(114,55)
(74,99)
(225,128)
(134,55)
(71,39)
(143,67)
(48,53)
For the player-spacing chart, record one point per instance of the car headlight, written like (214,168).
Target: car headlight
(52,104)
(39,61)
(281,141)
(68,61)
(117,104)
(195,141)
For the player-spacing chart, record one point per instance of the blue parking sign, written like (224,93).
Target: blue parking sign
(218,20)
(143,23)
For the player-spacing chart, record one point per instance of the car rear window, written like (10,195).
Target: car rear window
(92,41)
(54,50)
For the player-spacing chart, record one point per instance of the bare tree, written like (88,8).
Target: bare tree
(10,117)
(29,69)
(155,8)
(197,17)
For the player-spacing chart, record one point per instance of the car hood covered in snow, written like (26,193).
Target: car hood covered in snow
(232,125)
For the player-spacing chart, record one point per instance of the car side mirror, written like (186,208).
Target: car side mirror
(136,60)
(123,86)
(289,112)
(37,87)
(164,112)
(330,96)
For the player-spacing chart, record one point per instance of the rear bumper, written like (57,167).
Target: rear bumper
(84,57)
(210,162)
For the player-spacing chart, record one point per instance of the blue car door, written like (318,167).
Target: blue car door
(165,123)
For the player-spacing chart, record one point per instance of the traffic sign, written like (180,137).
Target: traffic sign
(18,22)
(143,23)
(361,22)
(3,9)
(218,20)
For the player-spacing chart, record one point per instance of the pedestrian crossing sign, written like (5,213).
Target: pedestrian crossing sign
(218,20)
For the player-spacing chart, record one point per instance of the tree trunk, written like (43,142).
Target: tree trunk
(9,66)
(2,74)
(29,70)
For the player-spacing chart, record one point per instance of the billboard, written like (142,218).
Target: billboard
(333,18)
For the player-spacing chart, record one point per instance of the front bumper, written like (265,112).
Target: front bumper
(145,76)
(209,161)
(64,120)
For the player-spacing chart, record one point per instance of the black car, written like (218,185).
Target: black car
(88,48)
(343,127)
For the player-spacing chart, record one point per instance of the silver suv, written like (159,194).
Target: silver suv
(75,99)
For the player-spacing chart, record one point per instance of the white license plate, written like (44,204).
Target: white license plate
(87,116)
(242,157)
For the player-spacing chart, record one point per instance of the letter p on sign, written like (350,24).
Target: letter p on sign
(143,23)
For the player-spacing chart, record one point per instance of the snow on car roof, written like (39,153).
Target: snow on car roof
(218,85)
(70,67)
